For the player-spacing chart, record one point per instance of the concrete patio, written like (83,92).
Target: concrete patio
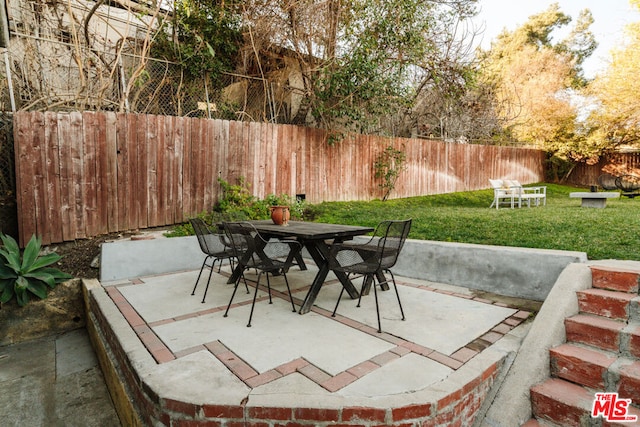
(168,358)
(180,360)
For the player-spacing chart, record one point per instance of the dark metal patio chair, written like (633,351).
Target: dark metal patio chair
(215,247)
(252,251)
(372,259)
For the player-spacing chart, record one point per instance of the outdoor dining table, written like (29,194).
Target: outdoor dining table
(314,237)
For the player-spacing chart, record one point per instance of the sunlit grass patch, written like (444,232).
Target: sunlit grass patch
(465,217)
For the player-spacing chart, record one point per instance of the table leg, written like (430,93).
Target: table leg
(366,286)
(237,272)
(319,251)
(235,275)
(297,255)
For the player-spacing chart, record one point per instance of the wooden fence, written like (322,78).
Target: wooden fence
(84,174)
(616,164)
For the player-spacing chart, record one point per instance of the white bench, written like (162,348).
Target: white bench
(511,193)
(595,199)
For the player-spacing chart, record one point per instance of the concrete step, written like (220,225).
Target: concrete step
(610,304)
(596,331)
(580,365)
(615,279)
(561,402)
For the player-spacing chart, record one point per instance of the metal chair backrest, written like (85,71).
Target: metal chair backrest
(265,254)
(205,236)
(393,235)
(241,237)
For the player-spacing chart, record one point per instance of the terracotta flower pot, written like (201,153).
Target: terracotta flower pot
(280,215)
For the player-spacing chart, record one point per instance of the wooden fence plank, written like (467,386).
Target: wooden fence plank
(38,153)
(152,141)
(67,193)
(122,177)
(101,175)
(24,176)
(89,174)
(187,168)
(142,187)
(161,172)
(209,166)
(132,169)
(53,200)
(77,156)
(198,159)
(110,200)
(178,176)
(169,171)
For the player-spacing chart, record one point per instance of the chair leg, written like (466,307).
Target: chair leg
(269,288)
(208,281)
(233,294)
(364,281)
(375,294)
(289,290)
(199,274)
(245,284)
(253,304)
(338,302)
(393,279)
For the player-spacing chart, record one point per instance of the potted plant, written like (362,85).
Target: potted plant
(279,208)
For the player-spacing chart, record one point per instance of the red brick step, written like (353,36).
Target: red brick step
(629,381)
(602,352)
(615,279)
(611,304)
(561,402)
(580,365)
(596,331)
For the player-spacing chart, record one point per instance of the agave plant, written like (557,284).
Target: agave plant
(21,274)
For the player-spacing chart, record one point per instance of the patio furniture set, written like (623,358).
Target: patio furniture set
(509,192)
(272,249)
(627,184)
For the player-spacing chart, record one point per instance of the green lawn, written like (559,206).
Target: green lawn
(612,232)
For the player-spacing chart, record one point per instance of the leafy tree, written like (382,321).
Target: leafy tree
(616,120)
(203,36)
(358,58)
(532,78)
(388,166)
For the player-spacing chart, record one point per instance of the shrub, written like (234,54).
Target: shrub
(238,204)
(21,274)
(297,206)
(388,166)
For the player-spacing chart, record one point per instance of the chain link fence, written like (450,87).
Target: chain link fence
(160,87)
(44,75)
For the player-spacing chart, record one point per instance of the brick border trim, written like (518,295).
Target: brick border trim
(161,353)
